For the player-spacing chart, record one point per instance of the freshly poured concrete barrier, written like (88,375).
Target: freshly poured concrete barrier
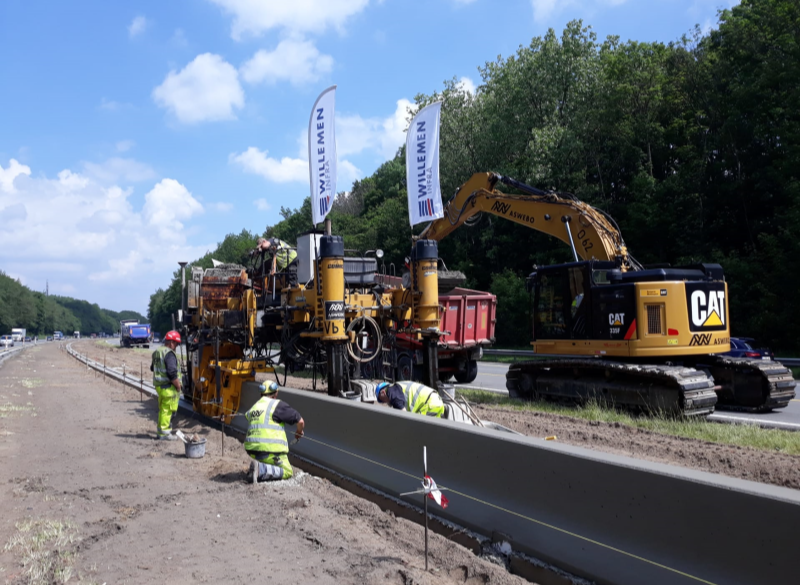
(587,512)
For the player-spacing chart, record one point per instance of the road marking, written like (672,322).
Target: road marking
(774,423)
(498,375)
(470,387)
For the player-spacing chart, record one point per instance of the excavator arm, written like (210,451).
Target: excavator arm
(588,231)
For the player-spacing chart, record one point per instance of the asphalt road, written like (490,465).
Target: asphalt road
(492,377)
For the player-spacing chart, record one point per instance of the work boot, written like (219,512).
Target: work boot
(169,437)
(253,472)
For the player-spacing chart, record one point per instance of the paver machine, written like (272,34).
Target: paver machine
(607,328)
(333,313)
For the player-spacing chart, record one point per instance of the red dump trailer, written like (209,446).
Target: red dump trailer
(468,318)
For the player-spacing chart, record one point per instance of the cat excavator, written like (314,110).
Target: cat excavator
(607,328)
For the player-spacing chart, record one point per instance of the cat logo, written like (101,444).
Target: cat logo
(616,319)
(708,308)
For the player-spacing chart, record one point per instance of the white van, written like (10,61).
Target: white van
(6,341)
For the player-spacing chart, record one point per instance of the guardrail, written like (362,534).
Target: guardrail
(526,353)
(608,518)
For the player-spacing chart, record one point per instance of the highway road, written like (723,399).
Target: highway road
(492,377)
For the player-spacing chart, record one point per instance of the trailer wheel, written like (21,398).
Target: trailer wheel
(468,374)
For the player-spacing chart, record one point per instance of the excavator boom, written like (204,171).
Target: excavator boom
(589,232)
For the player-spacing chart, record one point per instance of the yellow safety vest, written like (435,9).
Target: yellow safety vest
(263,433)
(421,399)
(284,255)
(160,378)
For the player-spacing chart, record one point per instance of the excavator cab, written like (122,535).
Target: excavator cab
(570,300)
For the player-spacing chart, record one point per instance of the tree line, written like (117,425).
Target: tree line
(692,146)
(41,314)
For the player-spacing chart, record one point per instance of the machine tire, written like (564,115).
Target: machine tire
(405,367)
(468,374)
(445,376)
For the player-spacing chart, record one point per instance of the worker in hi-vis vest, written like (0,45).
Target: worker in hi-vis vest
(411,396)
(266,440)
(167,380)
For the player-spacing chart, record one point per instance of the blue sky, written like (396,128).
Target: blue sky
(137,134)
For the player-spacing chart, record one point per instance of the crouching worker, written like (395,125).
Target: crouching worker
(166,379)
(266,440)
(413,397)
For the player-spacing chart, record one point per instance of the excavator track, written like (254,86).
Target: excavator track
(749,385)
(651,387)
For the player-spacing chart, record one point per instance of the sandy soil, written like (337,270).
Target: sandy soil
(742,462)
(78,449)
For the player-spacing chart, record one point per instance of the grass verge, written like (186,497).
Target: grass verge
(743,435)
(45,550)
(9,409)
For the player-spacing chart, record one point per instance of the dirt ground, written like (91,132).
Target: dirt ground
(88,495)
(741,462)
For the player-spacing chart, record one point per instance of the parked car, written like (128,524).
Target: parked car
(6,341)
(49,338)
(744,347)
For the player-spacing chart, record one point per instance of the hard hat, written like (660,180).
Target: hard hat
(173,336)
(269,387)
(380,387)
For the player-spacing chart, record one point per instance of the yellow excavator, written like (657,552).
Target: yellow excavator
(616,331)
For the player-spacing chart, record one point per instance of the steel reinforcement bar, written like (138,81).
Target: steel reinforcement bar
(611,519)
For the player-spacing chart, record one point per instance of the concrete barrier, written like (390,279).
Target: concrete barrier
(614,520)
(606,518)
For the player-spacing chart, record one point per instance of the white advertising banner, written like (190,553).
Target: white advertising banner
(422,166)
(322,154)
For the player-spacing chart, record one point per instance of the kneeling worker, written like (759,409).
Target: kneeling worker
(266,440)
(166,379)
(412,396)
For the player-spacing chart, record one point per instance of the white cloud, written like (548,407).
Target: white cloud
(10,173)
(166,204)
(542,9)
(84,236)
(221,206)
(262,204)
(294,60)
(118,169)
(207,89)
(125,145)
(254,17)
(137,26)
(285,170)
(467,85)
(347,174)
(355,134)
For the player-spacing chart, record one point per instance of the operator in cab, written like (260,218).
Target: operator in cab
(266,441)
(285,256)
(411,396)
(167,380)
